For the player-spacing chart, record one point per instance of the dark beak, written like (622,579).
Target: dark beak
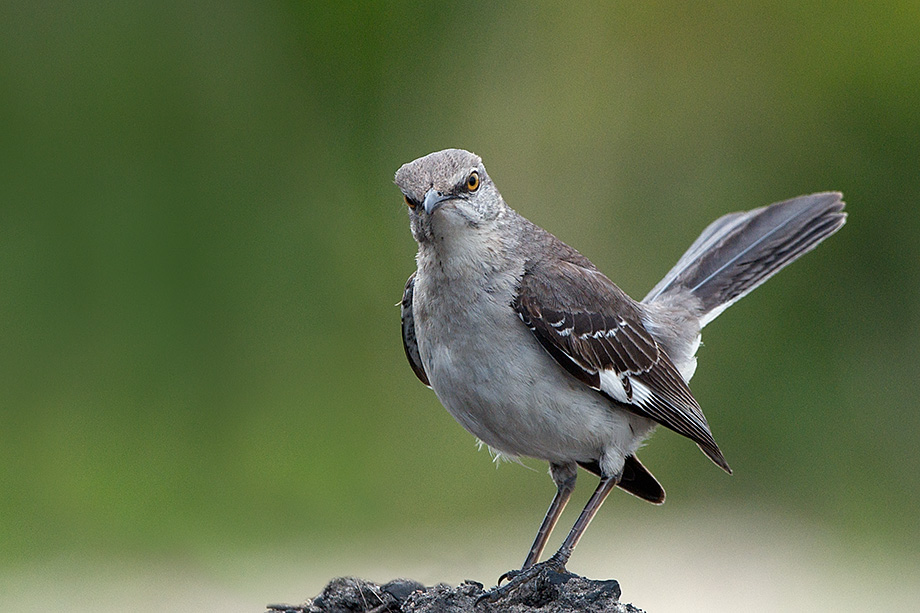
(433,200)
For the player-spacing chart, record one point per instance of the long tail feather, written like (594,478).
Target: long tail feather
(739,251)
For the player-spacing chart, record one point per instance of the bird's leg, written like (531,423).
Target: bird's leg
(558,560)
(581,524)
(564,476)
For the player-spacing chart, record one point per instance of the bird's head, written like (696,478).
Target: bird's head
(448,194)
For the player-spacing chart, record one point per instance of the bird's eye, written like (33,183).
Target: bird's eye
(409,201)
(472,182)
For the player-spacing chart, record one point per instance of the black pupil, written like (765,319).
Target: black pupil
(473,180)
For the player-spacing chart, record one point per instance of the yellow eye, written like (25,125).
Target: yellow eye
(409,201)
(472,182)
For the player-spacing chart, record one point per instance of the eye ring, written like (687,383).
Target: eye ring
(472,182)
(409,201)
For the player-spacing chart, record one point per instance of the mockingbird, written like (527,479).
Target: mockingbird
(537,353)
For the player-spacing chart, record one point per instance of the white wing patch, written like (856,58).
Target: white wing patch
(624,389)
(616,386)
(642,394)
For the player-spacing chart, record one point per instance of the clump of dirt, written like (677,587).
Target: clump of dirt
(549,592)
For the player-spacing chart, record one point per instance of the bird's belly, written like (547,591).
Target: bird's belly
(508,392)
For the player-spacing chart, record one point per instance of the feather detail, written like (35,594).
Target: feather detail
(595,332)
(410,342)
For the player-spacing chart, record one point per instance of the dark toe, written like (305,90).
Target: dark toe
(509,576)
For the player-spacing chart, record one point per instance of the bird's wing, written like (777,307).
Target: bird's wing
(410,342)
(595,331)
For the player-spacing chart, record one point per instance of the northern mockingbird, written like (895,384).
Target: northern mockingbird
(537,353)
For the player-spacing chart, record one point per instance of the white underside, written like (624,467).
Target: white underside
(518,401)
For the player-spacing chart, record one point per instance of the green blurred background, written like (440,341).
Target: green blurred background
(201,249)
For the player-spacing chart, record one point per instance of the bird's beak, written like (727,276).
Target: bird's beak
(433,200)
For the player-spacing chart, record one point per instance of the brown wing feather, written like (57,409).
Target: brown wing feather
(590,326)
(410,342)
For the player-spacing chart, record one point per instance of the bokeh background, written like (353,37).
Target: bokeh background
(204,398)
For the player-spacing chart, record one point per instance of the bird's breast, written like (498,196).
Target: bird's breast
(493,376)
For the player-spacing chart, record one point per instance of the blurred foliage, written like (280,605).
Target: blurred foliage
(200,250)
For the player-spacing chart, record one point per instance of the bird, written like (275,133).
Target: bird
(538,354)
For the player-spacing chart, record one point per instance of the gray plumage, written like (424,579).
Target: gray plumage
(537,353)
(739,251)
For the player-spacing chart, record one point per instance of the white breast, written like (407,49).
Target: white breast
(494,377)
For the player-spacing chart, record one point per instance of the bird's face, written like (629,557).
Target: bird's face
(449,195)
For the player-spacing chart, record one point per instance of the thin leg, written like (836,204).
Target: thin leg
(564,476)
(581,524)
(557,561)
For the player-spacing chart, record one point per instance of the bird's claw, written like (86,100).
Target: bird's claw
(509,576)
(517,578)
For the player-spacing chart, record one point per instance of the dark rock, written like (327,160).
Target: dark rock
(400,589)
(548,592)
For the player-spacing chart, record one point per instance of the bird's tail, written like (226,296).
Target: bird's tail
(739,251)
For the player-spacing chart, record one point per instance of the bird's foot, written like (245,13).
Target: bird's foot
(540,578)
